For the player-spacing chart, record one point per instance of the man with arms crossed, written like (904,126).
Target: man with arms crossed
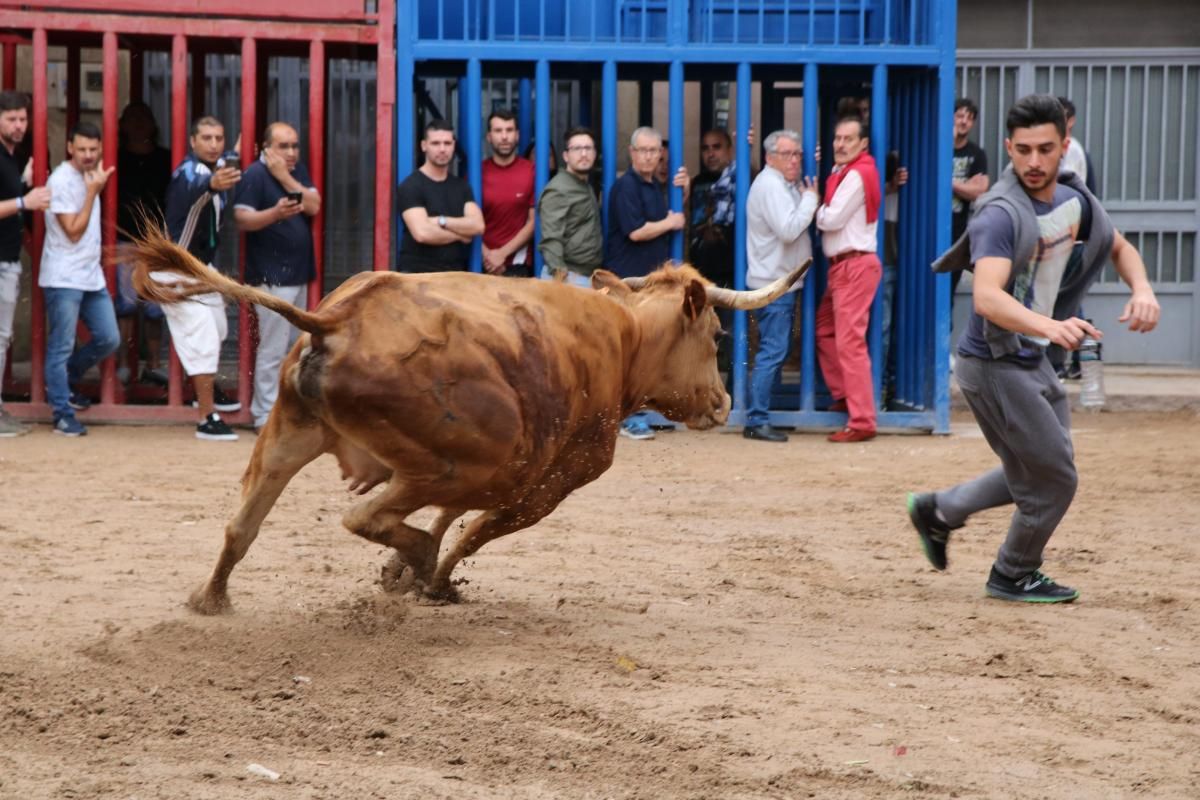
(275,204)
(1020,242)
(439,211)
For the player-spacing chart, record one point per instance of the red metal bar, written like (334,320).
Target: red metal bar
(337,10)
(10,66)
(41,163)
(73,81)
(191,27)
(249,126)
(385,105)
(316,161)
(179,149)
(109,205)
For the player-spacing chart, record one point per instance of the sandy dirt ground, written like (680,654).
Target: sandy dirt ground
(713,618)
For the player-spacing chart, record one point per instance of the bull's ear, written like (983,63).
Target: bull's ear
(695,298)
(603,279)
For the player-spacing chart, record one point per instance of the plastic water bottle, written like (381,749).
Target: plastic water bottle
(1091,369)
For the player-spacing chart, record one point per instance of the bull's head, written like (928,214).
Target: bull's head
(675,367)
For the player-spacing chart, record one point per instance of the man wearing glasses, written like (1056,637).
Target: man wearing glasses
(275,205)
(779,211)
(640,225)
(572,245)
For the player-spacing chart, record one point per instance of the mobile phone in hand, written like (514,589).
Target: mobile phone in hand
(295,197)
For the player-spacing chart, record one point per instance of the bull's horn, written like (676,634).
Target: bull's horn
(635,283)
(756,298)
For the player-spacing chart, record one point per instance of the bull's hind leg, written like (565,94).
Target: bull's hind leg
(394,576)
(280,452)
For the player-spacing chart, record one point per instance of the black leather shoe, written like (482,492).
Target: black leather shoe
(764,433)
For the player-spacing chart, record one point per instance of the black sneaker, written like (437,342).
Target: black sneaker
(922,510)
(1033,588)
(214,429)
(79,402)
(221,401)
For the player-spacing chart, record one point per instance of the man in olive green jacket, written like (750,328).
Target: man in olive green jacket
(572,244)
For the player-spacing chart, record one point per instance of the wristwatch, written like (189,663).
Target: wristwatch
(442,221)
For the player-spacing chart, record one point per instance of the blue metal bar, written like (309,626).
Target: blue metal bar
(946,27)
(516,20)
(887,21)
(837,23)
(542,93)
(741,147)
(862,21)
(808,336)
(912,23)
(542,20)
(812,25)
(466,16)
(879,147)
(787,22)
(925,244)
(608,136)
(472,134)
(675,126)
(491,20)
(729,53)
(525,108)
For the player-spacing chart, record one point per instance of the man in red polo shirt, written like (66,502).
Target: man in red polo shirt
(508,201)
(847,221)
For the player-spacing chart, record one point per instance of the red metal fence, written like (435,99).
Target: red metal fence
(319,29)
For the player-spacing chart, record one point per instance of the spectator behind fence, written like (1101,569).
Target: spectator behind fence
(710,237)
(72,279)
(275,204)
(143,172)
(640,227)
(848,219)
(572,245)
(1075,157)
(508,200)
(439,211)
(197,204)
(779,211)
(1020,243)
(16,204)
(968,175)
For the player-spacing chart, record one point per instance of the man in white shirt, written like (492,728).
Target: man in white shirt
(71,278)
(779,210)
(848,219)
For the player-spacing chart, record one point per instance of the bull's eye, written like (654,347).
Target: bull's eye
(720,334)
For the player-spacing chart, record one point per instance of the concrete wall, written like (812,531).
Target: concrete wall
(989,24)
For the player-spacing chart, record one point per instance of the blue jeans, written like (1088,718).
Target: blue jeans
(64,309)
(774,336)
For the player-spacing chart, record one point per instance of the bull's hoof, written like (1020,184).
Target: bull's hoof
(440,594)
(399,577)
(209,603)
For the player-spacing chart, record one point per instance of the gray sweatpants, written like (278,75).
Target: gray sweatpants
(275,338)
(10,289)
(1025,417)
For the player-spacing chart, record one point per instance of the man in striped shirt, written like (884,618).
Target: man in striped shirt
(197,204)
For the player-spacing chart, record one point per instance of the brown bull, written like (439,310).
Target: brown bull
(464,392)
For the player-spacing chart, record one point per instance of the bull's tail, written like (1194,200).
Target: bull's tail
(154,252)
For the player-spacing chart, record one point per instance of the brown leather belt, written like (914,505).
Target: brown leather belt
(845,255)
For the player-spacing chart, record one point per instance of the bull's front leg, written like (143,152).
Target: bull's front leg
(399,576)
(579,463)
